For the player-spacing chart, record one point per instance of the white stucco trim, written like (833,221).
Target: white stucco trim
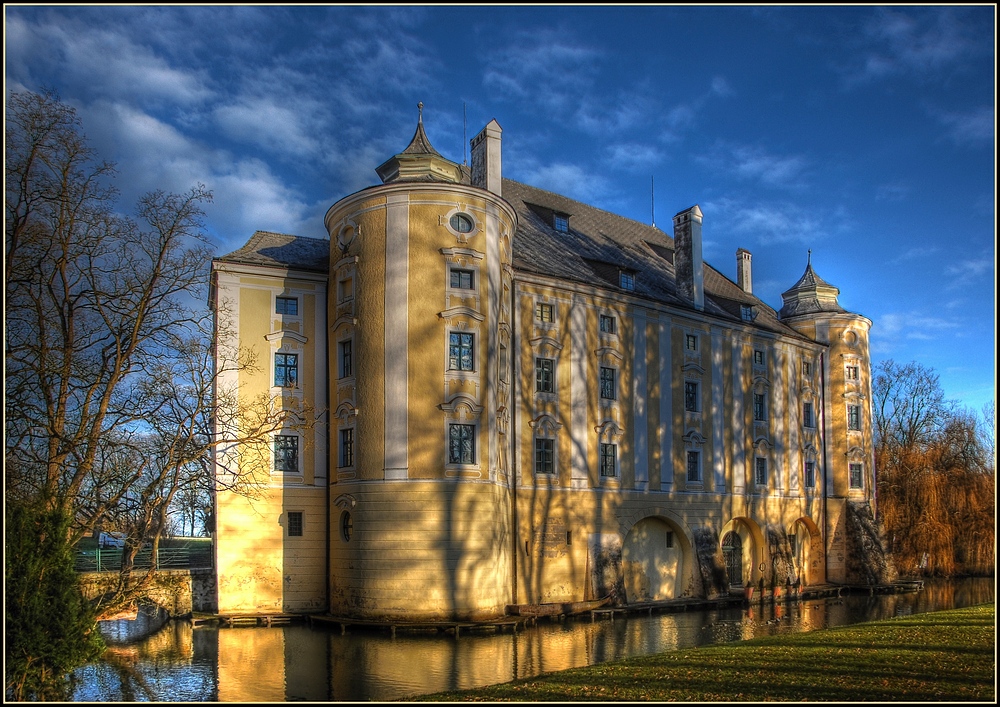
(396,335)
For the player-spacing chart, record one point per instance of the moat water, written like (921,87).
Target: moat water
(181,663)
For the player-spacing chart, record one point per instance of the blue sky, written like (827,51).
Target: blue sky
(866,134)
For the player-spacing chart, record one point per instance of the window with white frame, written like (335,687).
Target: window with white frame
(626,280)
(286,370)
(691,396)
(295,523)
(347,447)
(759,407)
(746,313)
(809,472)
(854,417)
(544,313)
(286,454)
(851,372)
(345,354)
(856,475)
(460,351)
(544,368)
(286,305)
(691,342)
(807,415)
(609,459)
(608,324)
(693,466)
(461,444)
(608,383)
(758,357)
(462,223)
(544,455)
(462,279)
(760,471)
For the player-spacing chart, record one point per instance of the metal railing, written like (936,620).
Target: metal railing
(110,559)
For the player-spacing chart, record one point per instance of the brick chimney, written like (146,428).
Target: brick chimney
(743,276)
(688,264)
(486,172)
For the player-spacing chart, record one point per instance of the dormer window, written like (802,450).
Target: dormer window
(746,313)
(627,280)
(560,222)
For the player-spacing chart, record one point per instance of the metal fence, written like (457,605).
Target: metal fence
(165,558)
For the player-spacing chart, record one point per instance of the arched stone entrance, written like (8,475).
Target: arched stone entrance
(741,539)
(653,561)
(807,552)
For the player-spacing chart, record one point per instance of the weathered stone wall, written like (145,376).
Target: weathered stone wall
(170,589)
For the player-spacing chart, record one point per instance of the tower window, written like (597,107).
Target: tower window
(544,460)
(461,444)
(854,417)
(461,223)
(286,370)
(609,457)
(760,471)
(856,475)
(462,279)
(693,466)
(543,375)
(460,349)
(691,396)
(607,383)
(286,305)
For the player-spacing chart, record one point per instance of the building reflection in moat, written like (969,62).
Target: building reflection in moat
(295,662)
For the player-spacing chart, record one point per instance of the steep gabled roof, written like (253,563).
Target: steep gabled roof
(283,250)
(598,245)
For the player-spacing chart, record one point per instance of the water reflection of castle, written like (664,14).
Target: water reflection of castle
(503,396)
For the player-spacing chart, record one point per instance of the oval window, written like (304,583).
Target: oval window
(461,223)
(346,526)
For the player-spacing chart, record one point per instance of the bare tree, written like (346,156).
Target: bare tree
(112,403)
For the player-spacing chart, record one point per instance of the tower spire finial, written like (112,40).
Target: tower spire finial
(809,257)
(420,112)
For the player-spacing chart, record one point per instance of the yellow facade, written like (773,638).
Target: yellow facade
(520,413)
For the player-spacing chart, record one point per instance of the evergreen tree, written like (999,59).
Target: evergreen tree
(50,627)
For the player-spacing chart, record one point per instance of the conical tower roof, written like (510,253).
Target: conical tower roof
(810,295)
(419,162)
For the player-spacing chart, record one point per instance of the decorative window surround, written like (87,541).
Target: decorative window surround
(462,409)
(694,441)
(462,236)
(466,260)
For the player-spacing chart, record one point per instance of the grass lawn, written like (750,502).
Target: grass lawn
(938,656)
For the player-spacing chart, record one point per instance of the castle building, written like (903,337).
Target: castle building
(500,396)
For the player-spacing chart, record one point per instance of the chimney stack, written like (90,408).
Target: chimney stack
(688,264)
(486,172)
(743,276)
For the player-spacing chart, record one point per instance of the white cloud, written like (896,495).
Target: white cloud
(568,179)
(974,127)
(972,268)
(767,222)
(754,163)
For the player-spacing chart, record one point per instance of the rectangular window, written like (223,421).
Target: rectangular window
(346,358)
(286,454)
(286,305)
(691,342)
(856,476)
(609,454)
(347,447)
(807,415)
(295,524)
(669,540)
(345,289)
(810,474)
(286,370)
(607,383)
(759,407)
(746,312)
(461,279)
(693,466)
(544,462)
(503,363)
(543,375)
(627,281)
(760,471)
(608,324)
(758,357)
(560,222)
(851,373)
(544,312)
(854,417)
(691,396)
(807,368)
(460,352)
(461,444)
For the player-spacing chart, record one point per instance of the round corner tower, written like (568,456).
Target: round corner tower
(811,308)
(419,304)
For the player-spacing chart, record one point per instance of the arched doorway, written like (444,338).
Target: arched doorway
(732,553)
(653,561)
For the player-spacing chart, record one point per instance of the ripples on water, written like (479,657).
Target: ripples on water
(285,663)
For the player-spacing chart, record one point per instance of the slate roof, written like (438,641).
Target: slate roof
(599,244)
(283,250)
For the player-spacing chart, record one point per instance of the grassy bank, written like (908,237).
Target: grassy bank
(939,656)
